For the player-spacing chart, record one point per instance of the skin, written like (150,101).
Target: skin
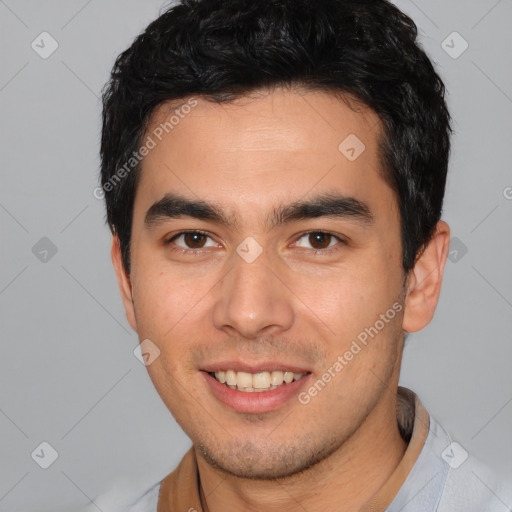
(250,157)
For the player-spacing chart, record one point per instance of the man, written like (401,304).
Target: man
(274,174)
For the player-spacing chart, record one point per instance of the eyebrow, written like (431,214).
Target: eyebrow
(324,205)
(173,206)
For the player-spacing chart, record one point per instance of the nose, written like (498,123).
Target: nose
(253,301)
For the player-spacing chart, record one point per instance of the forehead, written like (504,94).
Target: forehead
(264,149)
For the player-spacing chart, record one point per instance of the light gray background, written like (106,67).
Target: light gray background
(68,375)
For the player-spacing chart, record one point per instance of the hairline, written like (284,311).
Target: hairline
(231,97)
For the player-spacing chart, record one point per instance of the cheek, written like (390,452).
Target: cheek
(164,303)
(348,299)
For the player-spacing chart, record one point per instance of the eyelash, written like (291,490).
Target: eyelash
(329,250)
(317,252)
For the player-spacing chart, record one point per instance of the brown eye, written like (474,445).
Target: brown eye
(194,240)
(320,240)
(191,240)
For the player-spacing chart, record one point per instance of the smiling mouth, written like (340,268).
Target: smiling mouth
(255,382)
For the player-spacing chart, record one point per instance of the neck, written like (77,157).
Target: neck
(344,481)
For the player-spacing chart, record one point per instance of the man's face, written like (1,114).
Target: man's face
(268,285)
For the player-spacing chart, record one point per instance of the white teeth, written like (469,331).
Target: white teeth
(257,382)
(261,380)
(230,378)
(244,380)
(288,377)
(276,378)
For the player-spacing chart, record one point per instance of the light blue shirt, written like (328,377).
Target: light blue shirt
(444,478)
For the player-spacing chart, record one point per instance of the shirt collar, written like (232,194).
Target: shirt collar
(413,423)
(181,489)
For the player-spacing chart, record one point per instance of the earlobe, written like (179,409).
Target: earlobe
(123,280)
(425,279)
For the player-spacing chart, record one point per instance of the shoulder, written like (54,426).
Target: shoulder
(448,478)
(473,486)
(125,498)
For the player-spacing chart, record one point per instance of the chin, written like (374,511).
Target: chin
(253,462)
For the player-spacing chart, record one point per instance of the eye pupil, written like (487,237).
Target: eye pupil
(319,240)
(194,240)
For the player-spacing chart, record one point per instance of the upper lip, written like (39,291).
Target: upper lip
(240,366)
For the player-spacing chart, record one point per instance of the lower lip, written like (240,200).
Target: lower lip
(257,401)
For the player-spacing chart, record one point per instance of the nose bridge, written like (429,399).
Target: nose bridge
(252,299)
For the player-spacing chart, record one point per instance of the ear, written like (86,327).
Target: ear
(424,280)
(123,280)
